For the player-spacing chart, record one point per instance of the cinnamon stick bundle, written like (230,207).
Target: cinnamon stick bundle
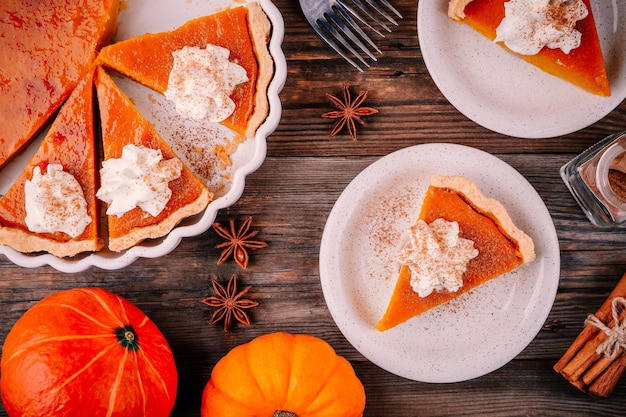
(584,364)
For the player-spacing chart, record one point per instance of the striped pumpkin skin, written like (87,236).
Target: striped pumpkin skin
(87,351)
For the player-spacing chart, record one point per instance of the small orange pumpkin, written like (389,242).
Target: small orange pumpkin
(283,375)
(86,352)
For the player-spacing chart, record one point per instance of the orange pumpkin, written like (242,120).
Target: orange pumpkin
(87,352)
(281,374)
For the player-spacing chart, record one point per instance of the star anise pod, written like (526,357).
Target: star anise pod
(229,303)
(238,242)
(348,111)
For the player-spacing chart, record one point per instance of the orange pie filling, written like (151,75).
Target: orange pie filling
(241,34)
(53,205)
(125,130)
(563,42)
(489,242)
(46,49)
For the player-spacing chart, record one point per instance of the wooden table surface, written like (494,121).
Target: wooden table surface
(290,197)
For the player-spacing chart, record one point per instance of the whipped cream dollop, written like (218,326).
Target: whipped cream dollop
(55,202)
(437,256)
(202,81)
(529,25)
(140,178)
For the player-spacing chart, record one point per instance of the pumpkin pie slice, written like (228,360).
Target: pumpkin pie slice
(582,66)
(501,246)
(46,48)
(244,31)
(122,125)
(67,152)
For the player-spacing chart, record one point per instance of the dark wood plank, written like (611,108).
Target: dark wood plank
(290,197)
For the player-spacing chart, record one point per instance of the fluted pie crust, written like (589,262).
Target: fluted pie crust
(244,30)
(501,245)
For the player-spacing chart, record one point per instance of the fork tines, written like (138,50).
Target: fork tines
(337,26)
(368,12)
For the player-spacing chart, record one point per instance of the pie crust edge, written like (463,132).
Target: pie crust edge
(162,228)
(259,28)
(22,241)
(492,207)
(26,242)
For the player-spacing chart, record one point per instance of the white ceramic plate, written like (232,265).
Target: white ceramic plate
(137,18)
(501,92)
(470,336)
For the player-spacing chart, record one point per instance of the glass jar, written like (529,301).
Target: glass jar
(597,180)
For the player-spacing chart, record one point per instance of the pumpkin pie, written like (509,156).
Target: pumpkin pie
(582,66)
(46,48)
(244,31)
(122,124)
(501,246)
(68,146)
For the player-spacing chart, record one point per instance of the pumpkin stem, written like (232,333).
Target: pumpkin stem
(127,337)
(280,413)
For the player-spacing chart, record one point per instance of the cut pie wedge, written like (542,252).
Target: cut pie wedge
(70,144)
(244,31)
(501,246)
(583,66)
(122,124)
(46,48)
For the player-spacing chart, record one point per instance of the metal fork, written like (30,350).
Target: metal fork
(333,21)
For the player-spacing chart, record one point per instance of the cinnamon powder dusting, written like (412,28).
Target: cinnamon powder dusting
(206,148)
(561,15)
(386,225)
(617,181)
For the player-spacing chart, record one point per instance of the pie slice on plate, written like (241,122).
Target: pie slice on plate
(123,125)
(501,246)
(244,31)
(46,48)
(68,150)
(582,66)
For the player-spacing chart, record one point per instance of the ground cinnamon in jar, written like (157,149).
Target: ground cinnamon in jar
(617,181)
(597,180)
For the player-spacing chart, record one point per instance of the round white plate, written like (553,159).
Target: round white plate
(136,18)
(503,93)
(473,334)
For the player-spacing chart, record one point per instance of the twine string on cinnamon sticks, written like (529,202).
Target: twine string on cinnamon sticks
(596,359)
(616,335)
